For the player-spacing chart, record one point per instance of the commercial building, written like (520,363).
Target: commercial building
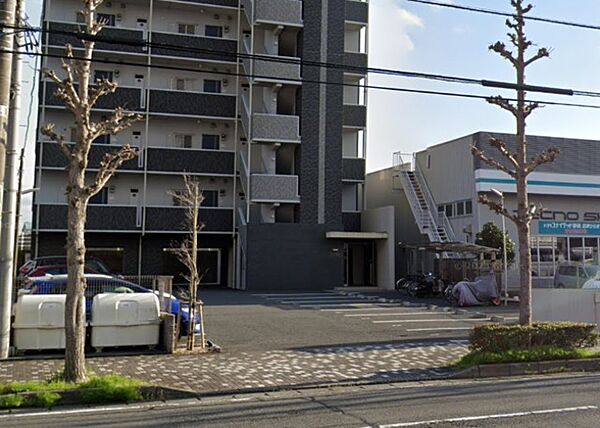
(262,100)
(435,193)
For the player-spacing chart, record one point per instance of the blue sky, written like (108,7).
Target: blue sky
(409,36)
(417,37)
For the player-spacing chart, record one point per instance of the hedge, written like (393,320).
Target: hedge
(501,338)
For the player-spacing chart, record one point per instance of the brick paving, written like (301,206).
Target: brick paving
(256,369)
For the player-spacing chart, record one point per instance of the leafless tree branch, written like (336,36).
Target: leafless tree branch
(503,149)
(504,104)
(492,162)
(108,166)
(48,131)
(497,208)
(547,156)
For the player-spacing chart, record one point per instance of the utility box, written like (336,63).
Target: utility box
(39,322)
(125,320)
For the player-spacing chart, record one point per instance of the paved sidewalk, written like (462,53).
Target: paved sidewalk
(246,370)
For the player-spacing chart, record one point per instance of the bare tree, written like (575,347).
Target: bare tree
(79,98)
(187,251)
(516,164)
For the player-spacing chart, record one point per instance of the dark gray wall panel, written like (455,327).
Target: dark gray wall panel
(212,105)
(292,257)
(171,219)
(357,11)
(195,161)
(353,169)
(131,40)
(351,222)
(53,157)
(194,47)
(355,116)
(128,98)
(355,62)
(99,217)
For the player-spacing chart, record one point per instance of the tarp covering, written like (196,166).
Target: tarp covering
(479,292)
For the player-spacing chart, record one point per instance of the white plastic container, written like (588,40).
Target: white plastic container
(39,322)
(125,320)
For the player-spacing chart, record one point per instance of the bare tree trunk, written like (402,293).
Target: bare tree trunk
(75,370)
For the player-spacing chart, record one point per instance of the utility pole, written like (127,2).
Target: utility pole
(8,158)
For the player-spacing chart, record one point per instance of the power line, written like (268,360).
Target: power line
(344,67)
(304,81)
(507,14)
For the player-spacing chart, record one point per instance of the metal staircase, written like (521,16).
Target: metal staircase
(432,223)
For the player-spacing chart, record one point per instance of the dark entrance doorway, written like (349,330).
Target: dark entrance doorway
(359,264)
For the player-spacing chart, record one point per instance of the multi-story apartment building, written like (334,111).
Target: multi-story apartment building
(262,100)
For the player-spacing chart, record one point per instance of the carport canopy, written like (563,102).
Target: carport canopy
(450,247)
(356,235)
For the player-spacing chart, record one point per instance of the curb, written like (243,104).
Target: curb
(535,367)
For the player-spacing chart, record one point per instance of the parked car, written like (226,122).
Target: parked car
(98,283)
(574,275)
(51,270)
(91,263)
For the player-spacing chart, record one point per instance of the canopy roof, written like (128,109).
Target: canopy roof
(451,247)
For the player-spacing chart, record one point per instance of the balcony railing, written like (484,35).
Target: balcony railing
(190,160)
(99,217)
(286,12)
(356,62)
(274,188)
(161,101)
(357,11)
(270,68)
(52,157)
(131,40)
(275,128)
(353,169)
(355,116)
(164,219)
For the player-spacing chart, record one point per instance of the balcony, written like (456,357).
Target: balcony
(164,219)
(190,160)
(225,3)
(355,116)
(161,101)
(193,104)
(52,157)
(275,128)
(279,68)
(132,41)
(353,169)
(199,47)
(274,188)
(125,36)
(285,12)
(356,62)
(357,11)
(99,217)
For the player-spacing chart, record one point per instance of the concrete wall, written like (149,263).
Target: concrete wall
(566,305)
(382,220)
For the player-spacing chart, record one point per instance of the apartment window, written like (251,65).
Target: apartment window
(211,198)
(186,28)
(210,142)
(468,207)
(103,75)
(212,86)
(103,139)
(106,18)
(441,209)
(100,198)
(213,31)
(460,208)
(184,84)
(183,140)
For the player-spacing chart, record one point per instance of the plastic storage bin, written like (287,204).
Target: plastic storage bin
(125,320)
(39,322)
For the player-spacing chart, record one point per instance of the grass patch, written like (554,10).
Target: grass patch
(544,353)
(98,389)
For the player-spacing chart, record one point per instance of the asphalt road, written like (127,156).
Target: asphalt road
(243,321)
(557,401)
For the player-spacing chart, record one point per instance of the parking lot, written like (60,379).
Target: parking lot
(251,321)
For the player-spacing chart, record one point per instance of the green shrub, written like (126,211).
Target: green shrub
(498,338)
(11,401)
(43,399)
(544,353)
(111,389)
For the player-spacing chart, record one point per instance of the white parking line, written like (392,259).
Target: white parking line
(325,293)
(432,320)
(435,328)
(310,298)
(488,417)
(319,302)
(331,304)
(389,314)
(379,307)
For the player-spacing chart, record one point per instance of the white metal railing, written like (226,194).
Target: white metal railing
(404,161)
(424,219)
(244,170)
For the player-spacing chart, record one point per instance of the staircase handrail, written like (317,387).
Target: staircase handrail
(423,218)
(401,163)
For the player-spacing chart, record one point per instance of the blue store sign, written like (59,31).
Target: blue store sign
(568,228)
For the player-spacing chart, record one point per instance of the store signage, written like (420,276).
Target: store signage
(568,216)
(577,228)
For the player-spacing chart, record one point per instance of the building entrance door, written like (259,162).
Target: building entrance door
(359,264)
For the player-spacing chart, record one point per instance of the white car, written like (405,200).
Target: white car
(593,283)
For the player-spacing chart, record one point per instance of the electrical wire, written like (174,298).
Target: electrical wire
(312,81)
